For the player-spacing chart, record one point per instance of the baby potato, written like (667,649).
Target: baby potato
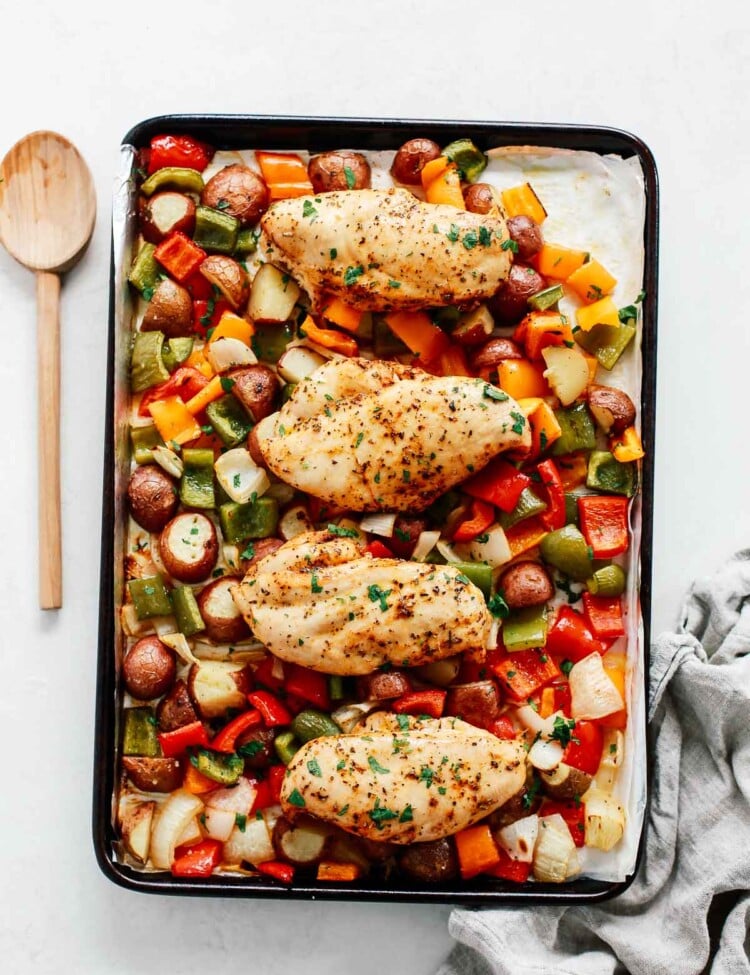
(509,304)
(175,710)
(479,198)
(148,669)
(188,547)
(224,622)
(257,388)
(164,213)
(411,159)
(238,191)
(152,497)
(170,310)
(341,170)
(526,584)
(528,236)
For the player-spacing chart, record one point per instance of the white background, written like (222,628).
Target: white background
(674,73)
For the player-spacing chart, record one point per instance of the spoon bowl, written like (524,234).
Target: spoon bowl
(47,215)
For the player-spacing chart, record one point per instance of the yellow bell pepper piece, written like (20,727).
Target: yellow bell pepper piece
(556,261)
(522,201)
(591,281)
(231,326)
(197,360)
(603,312)
(213,391)
(522,379)
(547,703)
(573,470)
(627,446)
(173,420)
(614,668)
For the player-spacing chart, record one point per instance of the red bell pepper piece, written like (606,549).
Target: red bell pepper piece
(200,288)
(500,483)
(561,700)
(421,702)
(276,775)
(523,672)
(184,382)
(264,673)
(502,727)
(574,814)
(604,614)
(226,739)
(571,637)
(198,860)
(272,710)
(480,518)
(308,685)
(584,751)
(180,256)
(278,870)
(263,796)
(207,314)
(554,517)
(604,523)
(175,742)
(379,551)
(178,150)
(510,869)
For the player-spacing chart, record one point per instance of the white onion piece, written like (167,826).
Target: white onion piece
(295,521)
(530,719)
(219,823)
(495,551)
(168,461)
(605,820)
(131,625)
(231,554)
(298,363)
(448,552)
(545,755)
(191,834)
(164,625)
(425,544)
(379,524)
(178,643)
(592,693)
(555,856)
(174,817)
(320,350)
(240,476)
(350,715)
(519,839)
(277,670)
(493,635)
(228,352)
(253,845)
(237,799)
(141,422)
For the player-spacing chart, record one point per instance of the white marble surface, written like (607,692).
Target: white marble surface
(674,73)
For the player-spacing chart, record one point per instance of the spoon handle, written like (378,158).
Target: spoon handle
(48,379)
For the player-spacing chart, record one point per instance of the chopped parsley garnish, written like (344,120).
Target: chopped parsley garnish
(240,821)
(497,606)
(394,284)
(343,810)
(236,480)
(511,674)
(520,421)
(626,313)
(360,438)
(308,210)
(485,237)
(313,767)
(227,384)
(401,535)
(462,578)
(563,731)
(492,392)
(376,766)
(249,552)
(250,748)
(407,815)
(471,239)
(442,790)
(381,814)
(483,538)
(406,476)
(594,292)
(376,593)
(341,765)
(403,722)
(531,793)
(566,666)
(314,584)
(343,532)
(613,749)
(510,245)
(573,595)
(351,179)
(426,775)
(453,233)
(333,253)
(352,273)
(296,799)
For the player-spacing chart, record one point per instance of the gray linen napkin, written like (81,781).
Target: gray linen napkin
(698,839)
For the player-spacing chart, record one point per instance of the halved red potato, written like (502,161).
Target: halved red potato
(302,843)
(153,774)
(175,710)
(476,703)
(383,686)
(216,685)
(136,829)
(189,547)
(224,622)
(149,668)
(166,212)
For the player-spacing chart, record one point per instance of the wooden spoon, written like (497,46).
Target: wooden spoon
(47,214)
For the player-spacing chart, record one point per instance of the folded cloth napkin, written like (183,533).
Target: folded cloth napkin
(698,832)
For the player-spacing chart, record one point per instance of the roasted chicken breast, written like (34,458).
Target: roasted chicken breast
(408,784)
(394,447)
(385,250)
(319,601)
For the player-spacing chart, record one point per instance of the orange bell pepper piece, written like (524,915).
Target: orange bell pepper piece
(282,167)
(417,331)
(174,421)
(442,183)
(196,782)
(197,360)
(232,326)
(544,427)
(627,446)
(591,281)
(522,379)
(544,328)
(522,201)
(452,362)
(527,534)
(602,312)
(329,338)
(341,872)
(213,391)
(286,191)
(476,850)
(573,470)
(343,315)
(615,670)
(556,261)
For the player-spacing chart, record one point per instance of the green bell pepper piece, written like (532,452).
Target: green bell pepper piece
(197,481)
(578,431)
(150,597)
(309,724)
(186,612)
(605,473)
(525,629)
(256,519)
(479,573)
(247,242)
(225,769)
(286,746)
(336,687)
(215,231)
(566,549)
(528,504)
(144,271)
(606,342)
(607,581)
(143,440)
(470,160)
(175,352)
(229,419)
(447,317)
(139,733)
(147,365)
(270,341)
(547,298)
(176,177)
(571,510)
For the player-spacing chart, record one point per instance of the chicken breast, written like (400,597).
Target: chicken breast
(385,250)
(319,601)
(396,447)
(404,785)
